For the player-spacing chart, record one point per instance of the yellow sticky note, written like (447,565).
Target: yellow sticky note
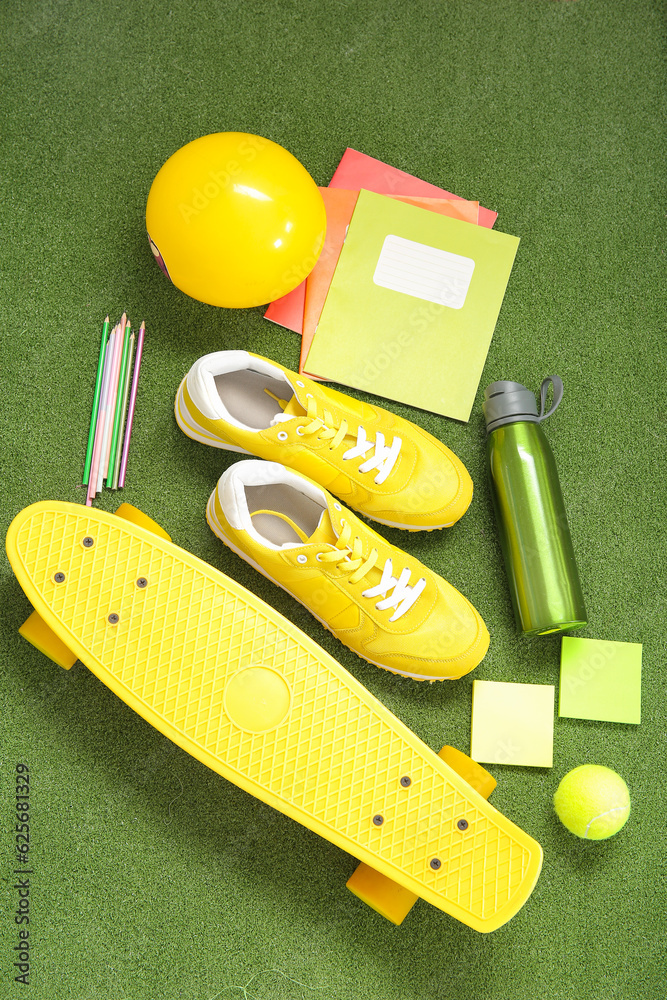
(512,723)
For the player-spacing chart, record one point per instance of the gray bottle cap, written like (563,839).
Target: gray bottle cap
(507,402)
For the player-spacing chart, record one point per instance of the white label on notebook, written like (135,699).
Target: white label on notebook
(424,272)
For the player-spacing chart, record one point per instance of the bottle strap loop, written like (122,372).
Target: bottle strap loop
(557,384)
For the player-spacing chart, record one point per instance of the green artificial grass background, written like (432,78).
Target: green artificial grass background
(153,877)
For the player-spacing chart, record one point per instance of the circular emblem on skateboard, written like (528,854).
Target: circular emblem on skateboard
(257,699)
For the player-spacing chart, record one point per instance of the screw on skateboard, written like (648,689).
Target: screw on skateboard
(243,690)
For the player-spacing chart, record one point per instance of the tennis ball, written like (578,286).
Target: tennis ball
(592,802)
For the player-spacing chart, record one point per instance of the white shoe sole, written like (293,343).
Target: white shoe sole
(409,527)
(217,530)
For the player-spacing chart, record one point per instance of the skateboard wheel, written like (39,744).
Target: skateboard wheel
(472,772)
(136,516)
(381,893)
(43,638)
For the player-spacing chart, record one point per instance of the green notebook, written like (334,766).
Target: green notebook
(412,306)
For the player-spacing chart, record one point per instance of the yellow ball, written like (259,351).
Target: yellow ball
(235,220)
(592,801)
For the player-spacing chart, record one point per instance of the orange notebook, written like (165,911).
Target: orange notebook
(339,205)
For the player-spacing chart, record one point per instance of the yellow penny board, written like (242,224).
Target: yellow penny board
(239,687)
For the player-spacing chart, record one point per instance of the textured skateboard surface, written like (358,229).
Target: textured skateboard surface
(243,690)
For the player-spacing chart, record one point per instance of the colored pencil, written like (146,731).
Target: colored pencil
(105,411)
(133,400)
(96,401)
(111,405)
(118,408)
(126,394)
(111,408)
(99,429)
(95,462)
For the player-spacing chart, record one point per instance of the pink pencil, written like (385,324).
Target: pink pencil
(99,430)
(105,415)
(111,406)
(133,400)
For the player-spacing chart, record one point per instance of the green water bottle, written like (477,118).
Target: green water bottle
(530,514)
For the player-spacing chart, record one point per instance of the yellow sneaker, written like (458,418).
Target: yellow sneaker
(380,464)
(378,600)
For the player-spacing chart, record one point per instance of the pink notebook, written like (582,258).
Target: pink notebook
(357,170)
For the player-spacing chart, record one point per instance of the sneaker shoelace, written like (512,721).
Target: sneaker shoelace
(383,457)
(348,555)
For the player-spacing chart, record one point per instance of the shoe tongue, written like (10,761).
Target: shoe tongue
(293,408)
(290,408)
(324,532)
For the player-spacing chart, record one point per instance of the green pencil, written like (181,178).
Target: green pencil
(96,402)
(119,406)
(126,393)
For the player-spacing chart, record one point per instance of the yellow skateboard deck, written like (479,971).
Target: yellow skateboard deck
(243,690)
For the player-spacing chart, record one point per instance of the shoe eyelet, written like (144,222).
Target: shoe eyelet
(318,557)
(337,506)
(301,558)
(300,431)
(309,395)
(301,385)
(282,435)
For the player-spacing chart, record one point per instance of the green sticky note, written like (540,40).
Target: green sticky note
(600,680)
(512,723)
